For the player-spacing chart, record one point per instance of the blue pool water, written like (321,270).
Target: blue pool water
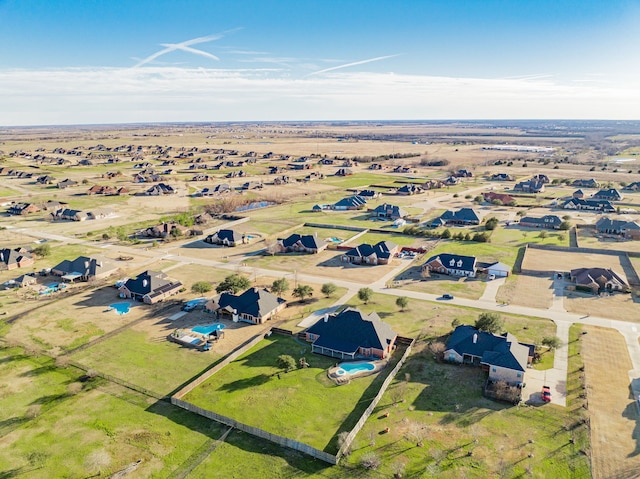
(121,308)
(208,329)
(250,237)
(351,368)
(335,240)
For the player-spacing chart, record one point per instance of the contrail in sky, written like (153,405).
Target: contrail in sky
(361,62)
(184,46)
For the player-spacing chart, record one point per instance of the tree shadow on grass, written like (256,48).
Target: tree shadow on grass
(246,383)
(38,371)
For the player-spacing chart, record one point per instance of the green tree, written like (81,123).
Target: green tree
(446,234)
(365,294)
(542,234)
(402,302)
(328,289)
(489,322)
(303,291)
(491,223)
(201,287)
(280,286)
(552,342)
(43,249)
(233,284)
(565,225)
(286,362)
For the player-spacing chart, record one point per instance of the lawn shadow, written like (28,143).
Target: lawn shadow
(247,382)
(631,413)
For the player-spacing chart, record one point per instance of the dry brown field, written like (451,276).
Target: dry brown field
(613,413)
(548,260)
(625,307)
(523,290)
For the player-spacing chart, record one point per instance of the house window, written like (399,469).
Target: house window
(494,370)
(519,375)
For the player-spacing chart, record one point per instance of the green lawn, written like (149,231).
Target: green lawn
(373,238)
(155,364)
(487,252)
(57,439)
(303,404)
(516,237)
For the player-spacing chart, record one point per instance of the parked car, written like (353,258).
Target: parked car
(447,296)
(546,393)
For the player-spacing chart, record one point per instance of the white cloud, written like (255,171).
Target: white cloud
(114,95)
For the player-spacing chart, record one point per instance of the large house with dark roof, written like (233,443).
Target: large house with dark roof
(451,264)
(226,238)
(388,211)
(254,306)
(581,183)
(84,268)
(150,287)
(296,243)
(530,186)
(15,258)
(351,334)
(598,280)
(589,205)
(547,221)
(623,228)
(22,209)
(610,194)
(462,217)
(503,357)
(354,202)
(408,190)
(379,253)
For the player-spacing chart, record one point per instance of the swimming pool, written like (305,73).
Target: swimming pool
(335,240)
(121,308)
(208,329)
(353,368)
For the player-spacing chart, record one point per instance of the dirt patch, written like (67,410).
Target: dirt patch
(615,438)
(617,305)
(548,260)
(531,291)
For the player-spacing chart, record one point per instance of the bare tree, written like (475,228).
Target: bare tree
(74,388)
(33,411)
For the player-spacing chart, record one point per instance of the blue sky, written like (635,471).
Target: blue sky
(97,61)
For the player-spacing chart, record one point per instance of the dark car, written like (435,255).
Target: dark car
(546,393)
(447,296)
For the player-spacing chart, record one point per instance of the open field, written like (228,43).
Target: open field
(524,290)
(254,378)
(613,413)
(516,236)
(624,307)
(587,238)
(112,422)
(412,280)
(482,251)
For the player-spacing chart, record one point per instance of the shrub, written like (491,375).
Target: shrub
(370,461)
(328,289)
(365,294)
(489,322)
(201,287)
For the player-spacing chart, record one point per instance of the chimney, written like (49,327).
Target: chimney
(475,338)
(326,317)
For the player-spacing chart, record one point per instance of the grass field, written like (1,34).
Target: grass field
(482,251)
(531,291)
(515,237)
(616,306)
(254,378)
(124,426)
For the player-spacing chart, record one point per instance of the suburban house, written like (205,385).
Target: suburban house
(610,194)
(590,183)
(22,209)
(161,189)
(226,238)
(24,280)
(503,357)
(369,194)
(388,211)
(408,190)
(66,183)
(344,172)
(15,258)
(84,268)
(101,190)
(462,217)
(598,280)
(451,264)
(150,287)
(354,202)
(69,215)
(45,180)
(255,306)
(379,253)
(501,177)
(547,221)
(498,270)
(351,334)
(463,174)
(296,243)
(626,229)
(165,229)
(503,198)
(529,186)
(578,194)
(589,205)
(635,186)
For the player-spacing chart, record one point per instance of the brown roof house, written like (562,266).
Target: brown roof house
(598,280)
(150,287)
(254,306)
